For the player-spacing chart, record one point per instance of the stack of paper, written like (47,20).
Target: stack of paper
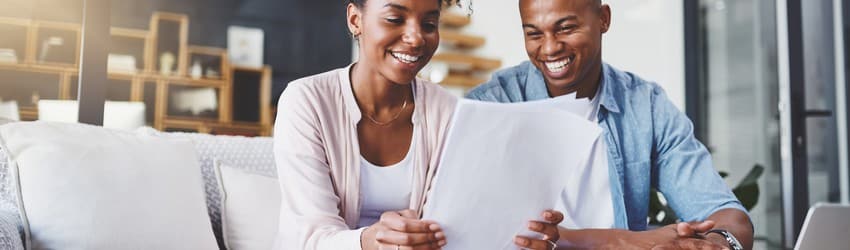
(503,165)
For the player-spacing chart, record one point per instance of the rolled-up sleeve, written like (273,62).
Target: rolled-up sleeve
(685,173)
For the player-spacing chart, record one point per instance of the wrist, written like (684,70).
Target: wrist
(717,239)
(366,238)
(729,239)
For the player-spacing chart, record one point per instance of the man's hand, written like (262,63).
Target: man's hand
(402,230)
(549,229)
(696,231)
(678,236)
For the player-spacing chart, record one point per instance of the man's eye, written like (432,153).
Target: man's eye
(568,28)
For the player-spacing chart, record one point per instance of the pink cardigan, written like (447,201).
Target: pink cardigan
(317,155)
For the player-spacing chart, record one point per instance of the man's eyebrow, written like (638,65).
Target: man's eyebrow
(564,19)
(567,18)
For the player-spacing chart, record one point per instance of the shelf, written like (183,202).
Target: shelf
(461,40)
(196,102)
(451,19)
(16,35)
(175,124)
(170,34)
(28,87)
(252,94)
(241,129)
(28,113)
(208,58)
(130,42)
(462,80)
(37,73)
(56,44)
(467,62)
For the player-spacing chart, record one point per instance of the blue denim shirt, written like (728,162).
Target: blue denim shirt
(650,144)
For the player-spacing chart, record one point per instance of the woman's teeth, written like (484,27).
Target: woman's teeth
(405,57)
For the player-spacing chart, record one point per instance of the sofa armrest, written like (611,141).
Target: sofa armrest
(10,230)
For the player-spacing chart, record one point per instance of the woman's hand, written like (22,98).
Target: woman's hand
(402,230)
(549,229)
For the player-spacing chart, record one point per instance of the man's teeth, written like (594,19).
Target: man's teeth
(558,66)
(406,58)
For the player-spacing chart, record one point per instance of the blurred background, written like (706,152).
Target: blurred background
(764,81)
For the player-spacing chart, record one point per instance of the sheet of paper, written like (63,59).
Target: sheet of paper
(503,165)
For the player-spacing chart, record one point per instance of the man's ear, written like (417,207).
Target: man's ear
(354,20)
(604,18)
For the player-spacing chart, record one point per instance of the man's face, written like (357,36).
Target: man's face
(563,39)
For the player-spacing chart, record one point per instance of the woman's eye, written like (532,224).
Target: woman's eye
(430,26)
(395,20)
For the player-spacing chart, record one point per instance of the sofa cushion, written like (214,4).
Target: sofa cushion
(86,187)
(250,208)
(5,120)
(251,154)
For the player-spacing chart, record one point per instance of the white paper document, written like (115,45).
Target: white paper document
(503,165)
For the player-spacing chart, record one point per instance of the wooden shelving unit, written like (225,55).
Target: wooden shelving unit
(461,40)
(466,61)
(38,75)
(455,20)
(465,69)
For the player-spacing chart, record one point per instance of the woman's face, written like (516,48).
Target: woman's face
(396,37)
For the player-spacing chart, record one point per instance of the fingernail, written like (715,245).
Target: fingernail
(520,241)
(442,243)
(434,227)
(440,235)
(548,215)
(534,226)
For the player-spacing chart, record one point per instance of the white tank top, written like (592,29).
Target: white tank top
(384,188)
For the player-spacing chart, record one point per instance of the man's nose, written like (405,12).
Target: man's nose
(551,46)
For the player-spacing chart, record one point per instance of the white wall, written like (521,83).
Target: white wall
(646,38)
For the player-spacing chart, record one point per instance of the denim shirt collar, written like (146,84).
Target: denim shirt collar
(608,85)
(540,92)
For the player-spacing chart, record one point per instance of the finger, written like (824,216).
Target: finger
(396,222)
(408,239)
(549,231)
(407,213)
(703,226)
(382,246)
(535,244)
(699,244)
(410,214)
(684,229)
(553,216)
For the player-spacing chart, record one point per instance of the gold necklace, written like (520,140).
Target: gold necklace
(387,123)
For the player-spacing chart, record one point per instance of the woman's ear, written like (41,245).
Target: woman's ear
(354,20)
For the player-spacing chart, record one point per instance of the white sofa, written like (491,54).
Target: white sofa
(251,155)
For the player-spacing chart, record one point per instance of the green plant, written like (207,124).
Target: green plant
(747,192)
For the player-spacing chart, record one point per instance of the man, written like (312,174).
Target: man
(649,142)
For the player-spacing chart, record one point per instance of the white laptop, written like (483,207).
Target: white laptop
(827,226)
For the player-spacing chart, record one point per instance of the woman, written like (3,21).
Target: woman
(356,147)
